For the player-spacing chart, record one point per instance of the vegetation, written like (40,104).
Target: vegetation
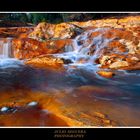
(54,17)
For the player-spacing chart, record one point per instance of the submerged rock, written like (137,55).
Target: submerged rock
(100,115)
(106,74)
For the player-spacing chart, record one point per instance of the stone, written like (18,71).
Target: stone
(15,32)
(119,64)
(66,61)
(134,59)
(25,48)
(104,59)
(100,115)
(46,30)
(106,74)
(46,62)
(106,121)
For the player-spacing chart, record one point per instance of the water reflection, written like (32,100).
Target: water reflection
(76,96)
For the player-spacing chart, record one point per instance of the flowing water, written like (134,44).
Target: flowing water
(5,49)
(77,93)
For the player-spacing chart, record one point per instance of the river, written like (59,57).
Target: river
(75,96)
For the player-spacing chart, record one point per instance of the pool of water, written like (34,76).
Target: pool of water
(76,95)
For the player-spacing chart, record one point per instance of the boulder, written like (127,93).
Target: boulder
(45,31)
(28,48)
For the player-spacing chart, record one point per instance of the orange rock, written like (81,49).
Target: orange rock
(28,48)
(135,40)
(100,115)
(122,34)
(106,121)
(47,31)
(106,74)
(94,34)
(14,31)
(133,66)
(119,64)
(23,35)
(132,60)
(118,45)
(62,43)
(46,62)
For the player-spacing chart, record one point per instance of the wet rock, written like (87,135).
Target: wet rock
(106,74)
(42,31)
(114,123)
(125,22)
(15,32)
(46,61)
(135,66)
(28,48)
(104,60)
(100,115)
(67,30)
(134,59)
(66,61)
(48,31)
(119,64)
(106,121)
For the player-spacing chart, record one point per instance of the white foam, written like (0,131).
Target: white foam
(5,48)
(32,103)
(10,63)
(4,109)
(81,51)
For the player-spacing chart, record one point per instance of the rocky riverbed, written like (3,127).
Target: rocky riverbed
(71,74)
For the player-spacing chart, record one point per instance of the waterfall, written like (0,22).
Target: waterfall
(5,48)
(86,49)
(6,60)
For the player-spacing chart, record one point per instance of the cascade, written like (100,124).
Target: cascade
(5,48)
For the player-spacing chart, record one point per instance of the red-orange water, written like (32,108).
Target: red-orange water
(68,98)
